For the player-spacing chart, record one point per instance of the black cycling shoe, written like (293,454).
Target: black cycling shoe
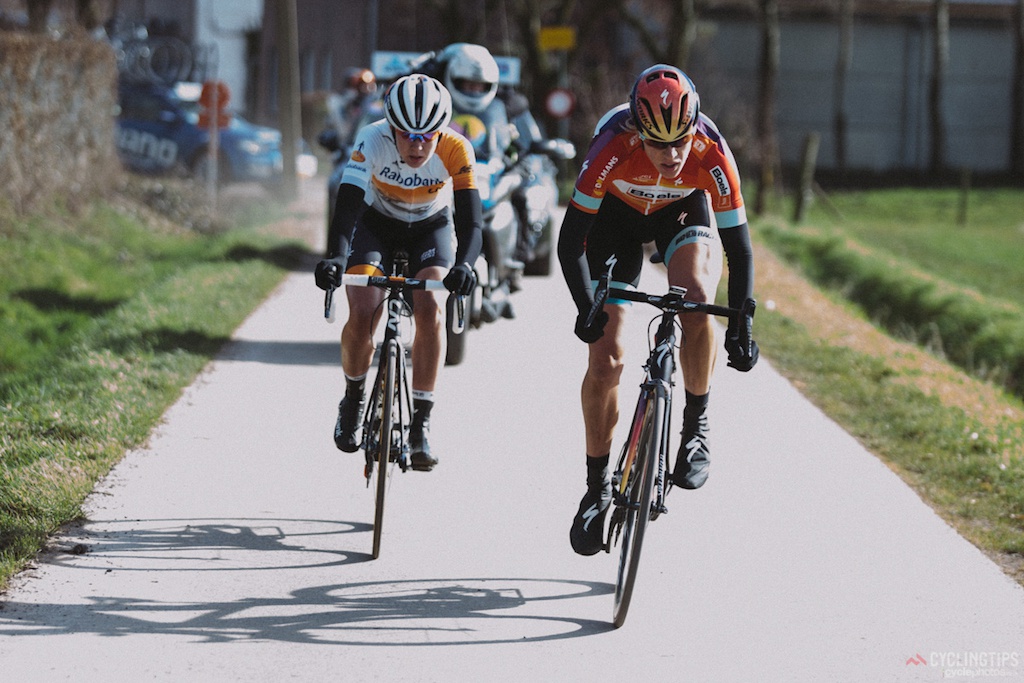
(587,532)
(419,446)
(350,413)
(693,458)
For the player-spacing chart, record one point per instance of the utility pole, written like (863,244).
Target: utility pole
(288,92)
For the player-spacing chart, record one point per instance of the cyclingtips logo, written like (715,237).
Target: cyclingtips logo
(970,664)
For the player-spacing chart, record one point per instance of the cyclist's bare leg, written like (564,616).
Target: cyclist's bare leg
(600,391)
(364,312)
(698,267)
(428,312)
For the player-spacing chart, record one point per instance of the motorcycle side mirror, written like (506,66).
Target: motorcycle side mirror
(555,148)
(328,139)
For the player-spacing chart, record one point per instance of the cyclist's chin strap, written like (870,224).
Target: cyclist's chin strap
(740,255)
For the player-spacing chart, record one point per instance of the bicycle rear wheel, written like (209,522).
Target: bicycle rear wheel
(639,491)
(388,378)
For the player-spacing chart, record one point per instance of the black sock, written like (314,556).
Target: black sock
(695,405)
(354,388)
(421,408)
(597,470)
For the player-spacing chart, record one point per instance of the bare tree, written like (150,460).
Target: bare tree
(843,61)
(38,14)
(940,58)
(288,92)
(669,40)
(1017,96)
(86,14)
(768,77)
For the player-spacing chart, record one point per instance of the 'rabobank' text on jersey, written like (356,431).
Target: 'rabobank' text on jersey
(403,193)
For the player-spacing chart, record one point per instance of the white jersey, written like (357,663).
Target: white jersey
(403,193)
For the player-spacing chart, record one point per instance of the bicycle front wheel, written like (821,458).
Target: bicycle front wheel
(388,378)
(638,494)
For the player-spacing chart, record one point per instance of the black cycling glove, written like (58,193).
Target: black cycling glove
(328,272)
(460,280)
(742,349)
(595,330)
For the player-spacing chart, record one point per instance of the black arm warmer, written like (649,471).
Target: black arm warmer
(349,206)
(572,255)
(468,222)
(740,256)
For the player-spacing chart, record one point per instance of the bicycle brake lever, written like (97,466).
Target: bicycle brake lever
(600,296)
(329,300)
(601,293)
(460,314)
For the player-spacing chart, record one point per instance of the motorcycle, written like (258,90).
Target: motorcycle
(537,203)
(506,227)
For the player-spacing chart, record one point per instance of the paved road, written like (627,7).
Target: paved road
(235,546)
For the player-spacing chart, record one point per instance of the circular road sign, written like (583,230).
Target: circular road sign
(560,102)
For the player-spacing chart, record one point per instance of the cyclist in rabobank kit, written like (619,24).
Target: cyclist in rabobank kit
(405,174)
(657,170)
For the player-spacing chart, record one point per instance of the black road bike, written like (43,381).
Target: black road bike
(640,481)
(389,409)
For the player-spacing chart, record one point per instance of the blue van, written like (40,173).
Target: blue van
(158,132)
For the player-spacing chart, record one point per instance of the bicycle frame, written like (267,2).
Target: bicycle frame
(657,383)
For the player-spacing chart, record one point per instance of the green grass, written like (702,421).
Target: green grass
(103,320)
(923,227)
(909,263)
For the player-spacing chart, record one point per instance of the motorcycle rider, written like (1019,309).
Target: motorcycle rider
(404,174)
(496,119)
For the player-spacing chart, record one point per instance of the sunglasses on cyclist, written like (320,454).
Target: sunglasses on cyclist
(418,137)
(681,142)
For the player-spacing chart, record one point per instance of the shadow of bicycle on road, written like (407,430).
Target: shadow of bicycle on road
(405,612)
(204,544)
(426,612)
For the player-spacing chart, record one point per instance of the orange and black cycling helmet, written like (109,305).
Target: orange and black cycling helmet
(664,104)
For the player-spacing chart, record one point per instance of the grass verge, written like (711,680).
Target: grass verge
(104,318)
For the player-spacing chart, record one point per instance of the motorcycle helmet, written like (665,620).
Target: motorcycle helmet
(417,104)
(664,104)
(471,76)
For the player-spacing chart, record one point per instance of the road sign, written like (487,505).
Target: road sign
(214,99)
(560,102)
(557,38)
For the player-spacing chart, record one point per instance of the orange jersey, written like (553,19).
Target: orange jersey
(616,164)
(403,193)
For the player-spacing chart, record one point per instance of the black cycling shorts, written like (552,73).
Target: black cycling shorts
(621,230)
(430,242)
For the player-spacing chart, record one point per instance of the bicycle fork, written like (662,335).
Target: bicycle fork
(402,405)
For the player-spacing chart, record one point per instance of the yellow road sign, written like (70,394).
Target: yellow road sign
(557,38)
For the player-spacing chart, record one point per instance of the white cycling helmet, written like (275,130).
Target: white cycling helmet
(417,104)
(466,64)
